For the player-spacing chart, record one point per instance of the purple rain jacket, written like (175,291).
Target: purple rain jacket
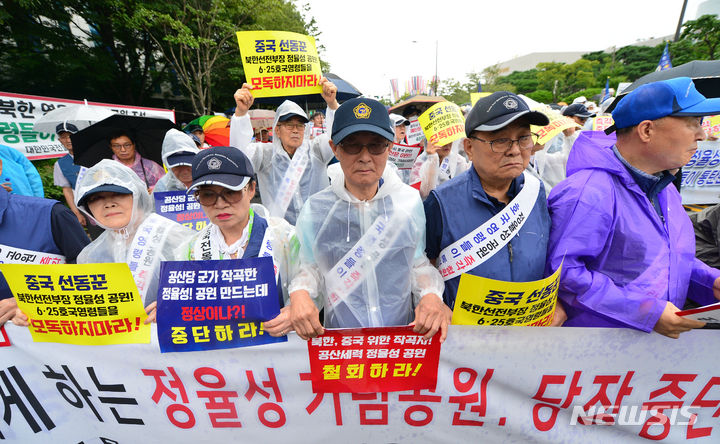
(622,264)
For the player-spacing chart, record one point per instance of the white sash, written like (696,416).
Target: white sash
(15,255)
(266,250)
(445,165)
(80,175)
(352,269)
(290,181)
(144,249)
(483,242)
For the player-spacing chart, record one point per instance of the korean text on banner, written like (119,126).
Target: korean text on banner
(442,123)
(483,301)
(89,304)
(552,129)
(207,305)
(403,156)
(369,360)
(701,175)
(601,123)
(414,135)
(279,63)
(19,112)
(181,208)
(711,125)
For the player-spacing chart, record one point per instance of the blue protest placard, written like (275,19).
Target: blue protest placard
(181,208)
(207,305)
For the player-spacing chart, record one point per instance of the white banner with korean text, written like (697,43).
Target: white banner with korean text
(495,384)
(701,175)
(19,112)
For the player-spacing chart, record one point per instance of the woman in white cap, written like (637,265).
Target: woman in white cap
(178,150)
(224,184)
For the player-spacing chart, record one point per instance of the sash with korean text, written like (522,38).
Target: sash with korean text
(144,250)
(290,181)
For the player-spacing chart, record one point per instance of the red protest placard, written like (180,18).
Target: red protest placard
(372,360)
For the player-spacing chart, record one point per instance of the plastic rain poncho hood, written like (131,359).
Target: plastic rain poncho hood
(329,227)
(174,142)
(622,263)
(117,245)
(271,161)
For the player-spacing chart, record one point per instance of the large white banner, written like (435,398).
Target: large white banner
(19,112)
(701,176)
(495,384)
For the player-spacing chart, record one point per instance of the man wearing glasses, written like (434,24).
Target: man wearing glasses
(618,225)
(123,148)
(290,169)
(362,239)
(494,209)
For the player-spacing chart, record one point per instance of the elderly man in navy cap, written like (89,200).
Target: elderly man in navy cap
(626,244)
(362,239)
(500,143)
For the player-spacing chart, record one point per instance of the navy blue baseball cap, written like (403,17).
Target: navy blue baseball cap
(672,97)
(578,109)
(498,110)
(181,158)
(222,165)
(361,114)
(101,188)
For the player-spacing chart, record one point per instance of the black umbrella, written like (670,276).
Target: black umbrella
(705,75)
(345,92)
(91,145)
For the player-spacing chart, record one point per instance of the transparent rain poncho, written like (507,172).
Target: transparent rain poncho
(282,237)
(146,241)
(431,172)
(174,142)
(271,163)
(361,281)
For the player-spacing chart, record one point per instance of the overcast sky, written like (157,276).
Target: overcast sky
(369,42)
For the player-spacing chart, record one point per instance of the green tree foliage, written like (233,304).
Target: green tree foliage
(705,34)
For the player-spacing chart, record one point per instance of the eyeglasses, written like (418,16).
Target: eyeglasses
(374,148)
(294,126)
(209,197)
(117,146)
(501,146)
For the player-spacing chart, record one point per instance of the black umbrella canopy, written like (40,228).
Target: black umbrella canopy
(346,91)
(92,144)
(705,75)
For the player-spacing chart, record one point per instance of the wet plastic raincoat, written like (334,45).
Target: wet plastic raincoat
(174,142)
(380,283)
(271,162)
(430,172)
(622,262)
(146,241)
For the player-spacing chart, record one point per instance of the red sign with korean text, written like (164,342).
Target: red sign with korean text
(371,360)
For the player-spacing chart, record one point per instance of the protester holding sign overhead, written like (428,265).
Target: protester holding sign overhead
(362,239)
(290,169)
(491,221)
(619,226)
(224,185)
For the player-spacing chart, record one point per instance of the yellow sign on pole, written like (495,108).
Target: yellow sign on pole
(552,129)
(91,304)
(711,125)
(279,63)
(483,301)
(442,123)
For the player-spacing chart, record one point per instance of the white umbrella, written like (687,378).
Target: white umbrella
(81,116)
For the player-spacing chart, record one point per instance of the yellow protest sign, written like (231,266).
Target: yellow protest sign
(474,97)
(483,301)
(547,132)
(442,123)
(711,125)
(601,123)
(91,304)
(279,63)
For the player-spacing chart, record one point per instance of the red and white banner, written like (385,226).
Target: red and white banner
(19,112)
(495,384)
